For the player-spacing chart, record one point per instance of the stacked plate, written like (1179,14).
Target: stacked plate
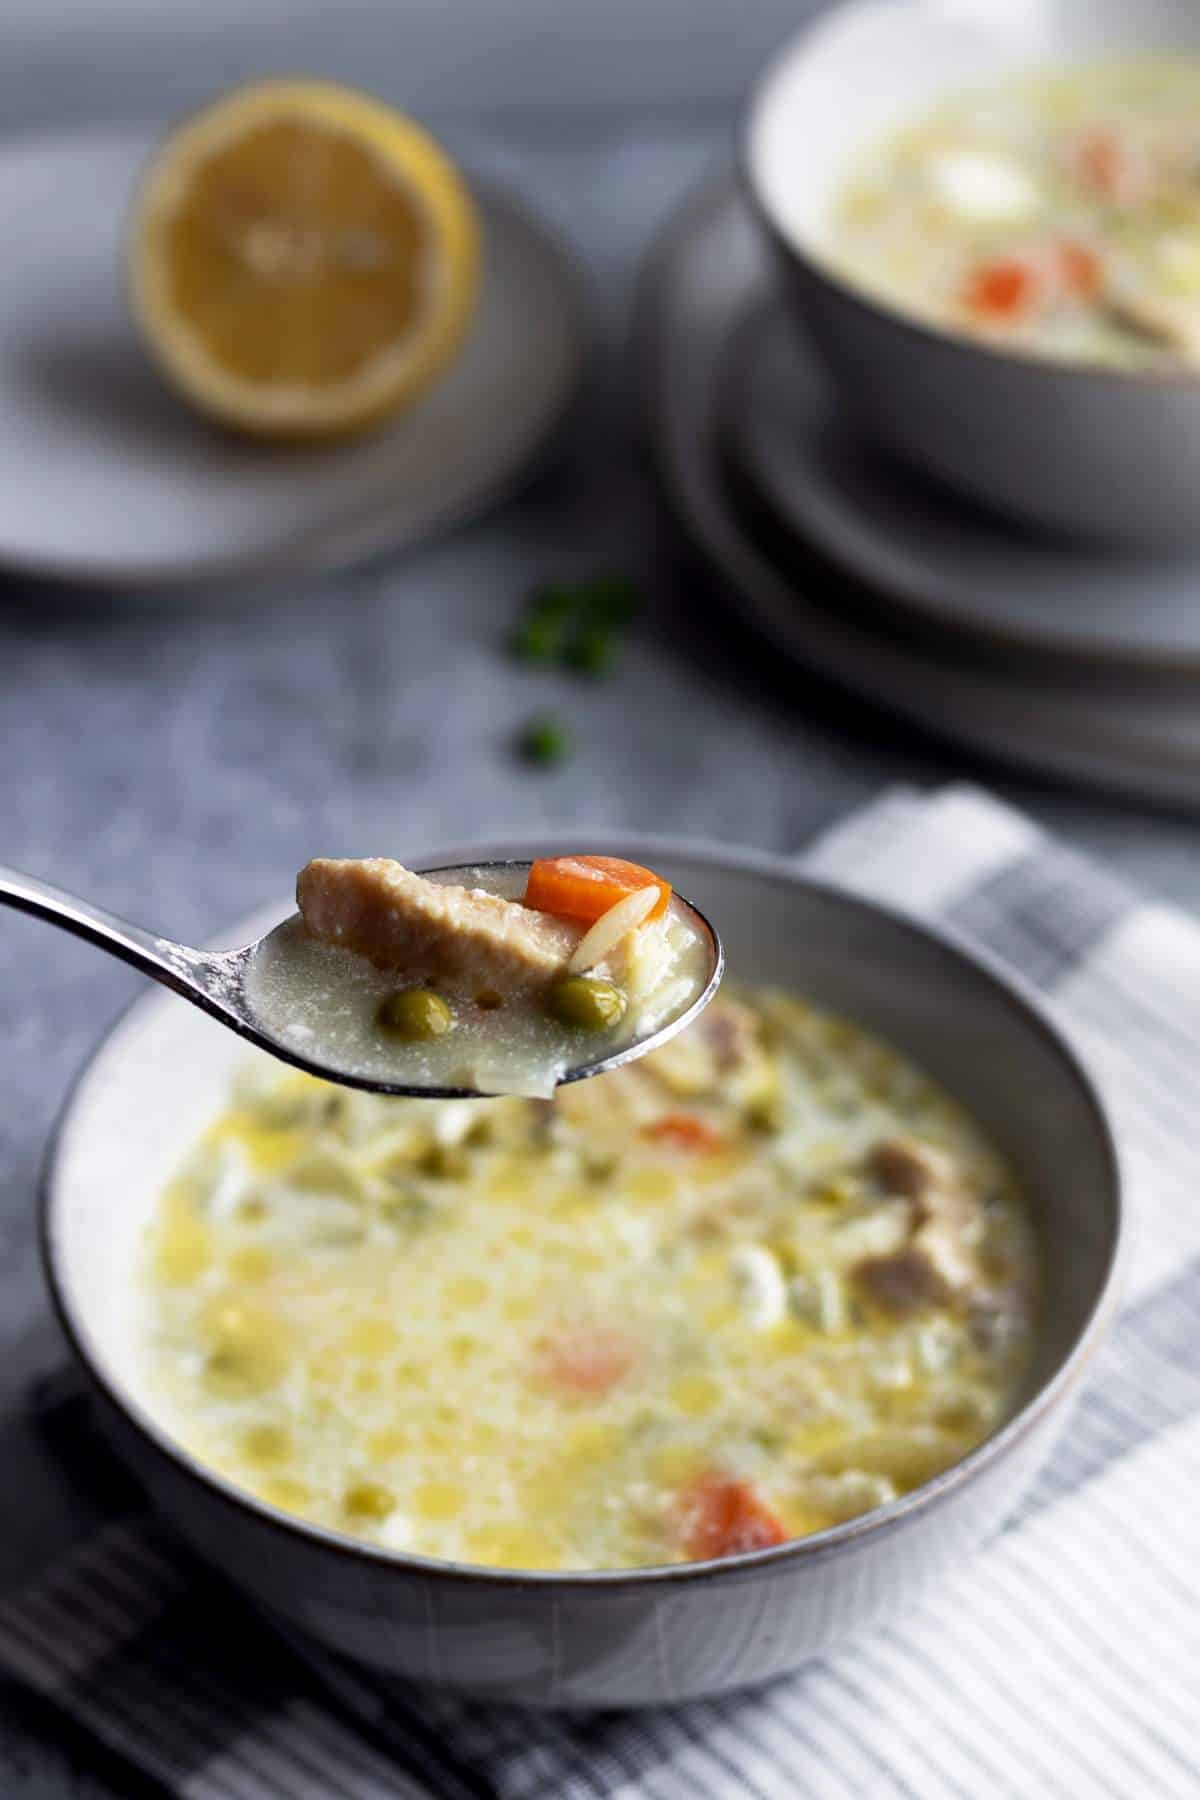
(1072,661)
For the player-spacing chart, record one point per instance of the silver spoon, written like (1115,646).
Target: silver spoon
(216,980)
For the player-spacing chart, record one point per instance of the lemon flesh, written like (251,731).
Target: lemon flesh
(303,260)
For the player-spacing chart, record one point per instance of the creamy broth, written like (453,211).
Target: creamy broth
(324,1001)
(760,1282)
(1057,213)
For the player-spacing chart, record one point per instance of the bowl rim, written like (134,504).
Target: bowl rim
(1008,986)
(861,300)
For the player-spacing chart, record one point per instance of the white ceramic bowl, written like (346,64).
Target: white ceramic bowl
(1087,451)
(614,1638)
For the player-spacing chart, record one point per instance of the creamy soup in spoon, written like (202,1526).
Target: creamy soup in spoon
(499,983)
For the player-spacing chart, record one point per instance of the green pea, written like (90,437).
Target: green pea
(588,1002)
(545,741)
(368,1500)
(554,602)
(613,600)
(445,1162)
(593,651)
(538,640)
(414,1014)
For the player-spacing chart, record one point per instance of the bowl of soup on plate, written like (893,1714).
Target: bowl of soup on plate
(986,223)
(646,1390)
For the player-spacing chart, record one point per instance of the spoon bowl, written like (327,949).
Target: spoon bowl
(221,982)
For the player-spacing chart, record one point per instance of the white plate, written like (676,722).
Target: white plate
(105,477)
(956,568)
(706,276)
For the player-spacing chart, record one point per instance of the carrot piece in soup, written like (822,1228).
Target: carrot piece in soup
(1001,292)
(586,1360)
(585,887)
(719,1516)
(684,1131)
(1078,269)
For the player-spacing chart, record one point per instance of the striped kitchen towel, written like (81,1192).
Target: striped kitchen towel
(1065,1660)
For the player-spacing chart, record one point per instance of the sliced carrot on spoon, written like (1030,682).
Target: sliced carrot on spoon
(586,887)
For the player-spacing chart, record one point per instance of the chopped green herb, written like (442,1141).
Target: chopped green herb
(539,639)
(555,602)
(577,625)
(545,741)
(593,651)
(614,600)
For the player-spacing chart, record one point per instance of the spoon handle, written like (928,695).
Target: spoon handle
(188,972)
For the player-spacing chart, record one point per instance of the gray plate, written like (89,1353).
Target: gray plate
(955,568)
(106,478)
(707,278)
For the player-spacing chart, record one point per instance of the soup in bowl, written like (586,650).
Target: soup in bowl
(1056,214)
(647,1392)
(983,218)
(763,1281)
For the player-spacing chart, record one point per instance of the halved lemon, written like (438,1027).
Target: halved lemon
(303,260)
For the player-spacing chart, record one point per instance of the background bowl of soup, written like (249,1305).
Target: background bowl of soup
(982,214)
(613,1636)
